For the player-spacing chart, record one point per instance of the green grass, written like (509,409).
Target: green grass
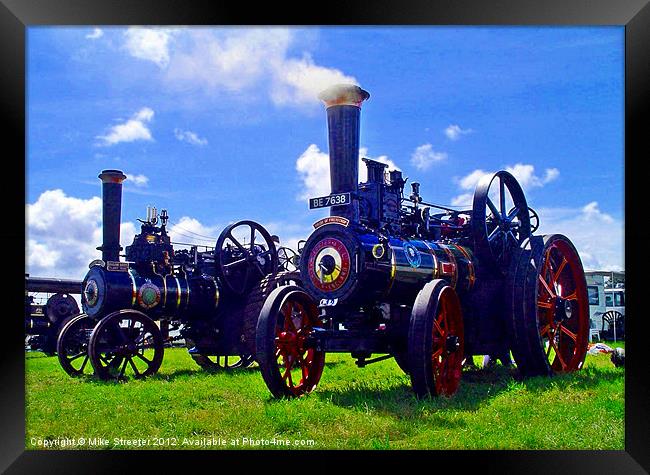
(352,408)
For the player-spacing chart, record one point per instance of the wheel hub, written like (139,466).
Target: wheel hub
(563,309)
(452,344)
(289,343)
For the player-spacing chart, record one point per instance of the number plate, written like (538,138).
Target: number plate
(328,302)
(338,199)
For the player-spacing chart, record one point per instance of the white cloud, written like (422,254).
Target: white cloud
(463,200)
(424,156)
(313,167)
(524,173)
(231,60)
(190,230)
(62,234)
(454,132)
(598,237)
(150,44)
(130,131)
(96,34)
(138,180)
(248,62)
(189,137)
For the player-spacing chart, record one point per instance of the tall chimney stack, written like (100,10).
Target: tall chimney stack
(111,213)
(343,104)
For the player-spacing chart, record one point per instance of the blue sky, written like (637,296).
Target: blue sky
(222,124)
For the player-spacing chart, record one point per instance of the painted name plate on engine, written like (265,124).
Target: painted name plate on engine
(115,266)
(331,220)
(337,199)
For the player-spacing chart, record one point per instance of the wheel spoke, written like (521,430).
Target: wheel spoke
(252,237)
(83,365)
(513,214)
(559,269)
(235,263)
(495,235)
(502,197)
(495,211)
(135,370)
(568,332)
(573,296)
(440,330)
(237,243)
(545,329)
(512,236)
(559,356)
(78,355)
(288,317)
(544,304)
(546,287)
(123,369)
(141,356)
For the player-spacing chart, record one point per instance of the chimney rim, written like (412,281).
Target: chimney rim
(343,95)
(112,176)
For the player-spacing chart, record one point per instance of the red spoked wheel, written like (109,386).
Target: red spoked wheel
(436,341)
(550,315)
(290,365)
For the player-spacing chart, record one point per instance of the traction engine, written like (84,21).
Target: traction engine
(130,306)
(392,275)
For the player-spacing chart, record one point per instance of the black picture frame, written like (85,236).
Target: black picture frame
(17,15)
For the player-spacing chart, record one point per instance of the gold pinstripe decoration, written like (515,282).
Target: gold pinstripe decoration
(470,266)
(134,292)
(436,271)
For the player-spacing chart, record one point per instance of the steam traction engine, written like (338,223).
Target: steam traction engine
(44,322)
(204,294)
(386,274)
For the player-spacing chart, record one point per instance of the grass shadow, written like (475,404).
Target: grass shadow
(476,387)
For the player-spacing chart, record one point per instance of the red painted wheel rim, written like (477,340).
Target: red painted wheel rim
(300,367)
(561,284)
(446,362)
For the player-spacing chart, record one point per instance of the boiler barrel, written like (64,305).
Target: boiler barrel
(106,291)
(347,266)
(51,285)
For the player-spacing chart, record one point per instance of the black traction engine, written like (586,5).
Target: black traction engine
(130,306)
(429,285)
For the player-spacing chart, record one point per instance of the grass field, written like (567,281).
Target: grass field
(184,407)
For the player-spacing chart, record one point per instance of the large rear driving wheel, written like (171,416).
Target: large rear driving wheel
(550,309)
